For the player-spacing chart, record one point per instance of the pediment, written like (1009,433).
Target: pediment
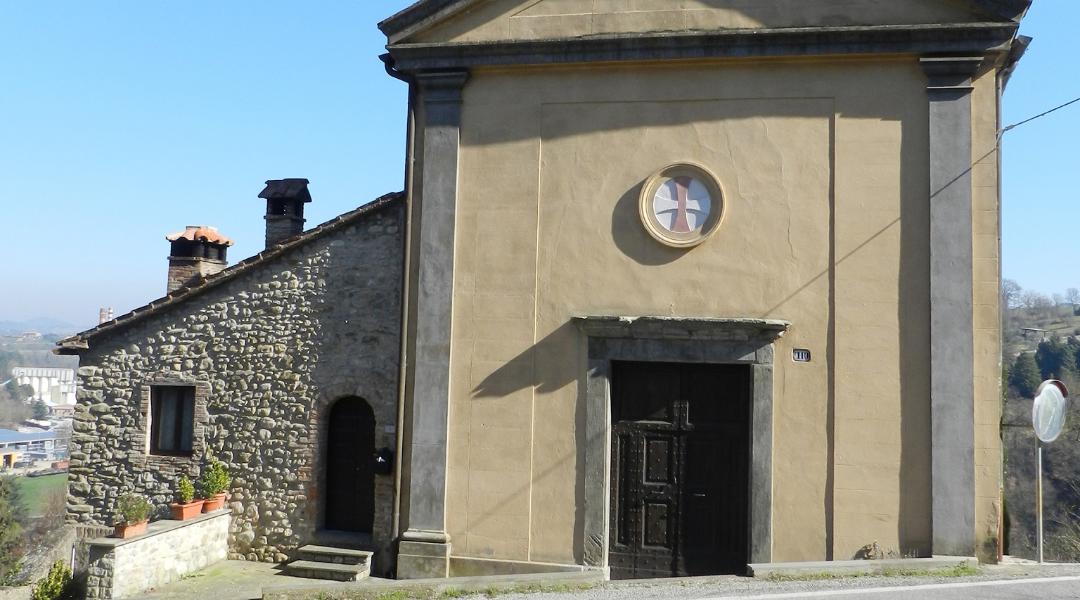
(473,21)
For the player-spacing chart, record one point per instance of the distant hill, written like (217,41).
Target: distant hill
(1055,321)
(42,325)
(1025,328)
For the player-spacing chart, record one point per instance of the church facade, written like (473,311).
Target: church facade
(673,288)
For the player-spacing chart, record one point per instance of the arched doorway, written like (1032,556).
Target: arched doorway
(350,476)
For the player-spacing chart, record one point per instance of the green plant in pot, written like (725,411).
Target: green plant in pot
(133,513)
(186,506)
(214,482)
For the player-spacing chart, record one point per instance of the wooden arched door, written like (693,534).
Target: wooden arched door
(350,475)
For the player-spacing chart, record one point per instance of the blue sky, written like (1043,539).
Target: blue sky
(124,121)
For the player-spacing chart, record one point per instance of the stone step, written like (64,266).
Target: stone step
(329,554)
(322,570)
(343,539)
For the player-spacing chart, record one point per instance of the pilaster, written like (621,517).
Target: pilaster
(952,353)
(425,547)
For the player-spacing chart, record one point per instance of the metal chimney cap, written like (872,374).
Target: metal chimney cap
(286,189)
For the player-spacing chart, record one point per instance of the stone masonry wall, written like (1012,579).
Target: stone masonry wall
(268,352)
(185,269)
(171,549)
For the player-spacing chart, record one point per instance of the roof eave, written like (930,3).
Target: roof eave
(72,346)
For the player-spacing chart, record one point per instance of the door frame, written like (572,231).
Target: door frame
(675,340)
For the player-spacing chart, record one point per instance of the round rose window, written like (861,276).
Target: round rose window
(681,205)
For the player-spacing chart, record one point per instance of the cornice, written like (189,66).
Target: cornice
(951,39)
(426,13)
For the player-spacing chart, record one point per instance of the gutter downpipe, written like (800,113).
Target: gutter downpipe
(391,70)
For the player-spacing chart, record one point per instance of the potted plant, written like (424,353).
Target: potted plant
(186,506)
(134,514)
(214,480)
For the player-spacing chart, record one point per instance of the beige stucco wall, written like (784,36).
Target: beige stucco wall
(825,170)
(986,220)
(541,19)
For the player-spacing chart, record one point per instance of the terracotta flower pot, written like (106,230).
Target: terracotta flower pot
(129,530)
(214,502)
(183,512)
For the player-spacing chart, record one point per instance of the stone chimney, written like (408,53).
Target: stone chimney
(196,252)
(285,199)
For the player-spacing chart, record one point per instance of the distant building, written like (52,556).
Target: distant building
(1033,333)
(47,445)
(62,411)
(51,385)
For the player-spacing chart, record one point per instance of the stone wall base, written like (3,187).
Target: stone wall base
(423,560)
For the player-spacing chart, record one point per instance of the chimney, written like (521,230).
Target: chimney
(196,252)
(285,199)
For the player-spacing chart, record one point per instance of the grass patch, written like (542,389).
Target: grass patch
(960,570)
(35,490)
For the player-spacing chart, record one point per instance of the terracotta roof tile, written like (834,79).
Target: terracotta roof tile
(200,233)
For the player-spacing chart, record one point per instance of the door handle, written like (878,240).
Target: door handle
(699,494)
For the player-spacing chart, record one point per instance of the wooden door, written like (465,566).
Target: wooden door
(350,475)
(679,481)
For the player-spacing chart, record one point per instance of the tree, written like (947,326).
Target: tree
(1025,377)
(1037,303)
(1010,293)
(22,393)
(8,360)
(1054,357)
(41,410)
(1072,295)
(11,533)
(12,411)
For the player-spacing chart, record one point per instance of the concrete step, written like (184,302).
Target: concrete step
(322,570)
(330,554)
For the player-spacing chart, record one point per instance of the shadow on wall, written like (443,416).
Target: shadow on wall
(524,372)
(521,372)
(913,319)
(631,238)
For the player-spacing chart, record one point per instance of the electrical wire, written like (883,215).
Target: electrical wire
(1038,116)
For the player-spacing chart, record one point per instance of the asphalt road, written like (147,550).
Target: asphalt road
(996,582)
(1055,588)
